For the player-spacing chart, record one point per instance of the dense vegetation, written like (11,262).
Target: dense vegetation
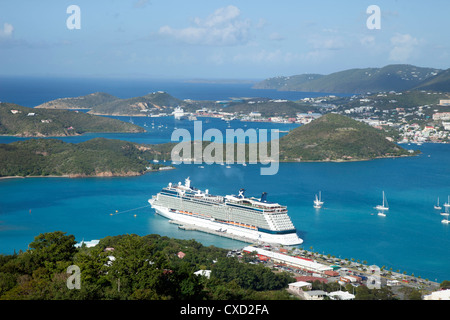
(31,122)
(392,77)
(330,138)
(441,82)
(389,101)
(135,106)
(147,267)
(270,108)
(99,156)
(336,137)
(83,102)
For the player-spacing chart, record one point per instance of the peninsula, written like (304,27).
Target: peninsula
(30,122)
(334,137)
(98,157)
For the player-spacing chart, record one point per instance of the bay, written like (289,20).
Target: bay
(32,91)
(411,238)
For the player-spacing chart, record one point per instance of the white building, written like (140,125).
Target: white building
(89,244)
(438,295)
(289,260)
(254,114)
(341,295)
(441,116)
(204,273)
(314,295)
(446,125)
(297,287)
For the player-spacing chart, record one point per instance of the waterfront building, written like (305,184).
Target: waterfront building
(295,262)
(438,295)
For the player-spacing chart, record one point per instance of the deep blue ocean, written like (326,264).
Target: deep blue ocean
(411,238)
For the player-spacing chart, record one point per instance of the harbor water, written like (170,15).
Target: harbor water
(410,238)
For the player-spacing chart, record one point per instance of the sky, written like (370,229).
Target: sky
(216,39)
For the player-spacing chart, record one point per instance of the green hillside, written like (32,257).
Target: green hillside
(334,137)
(287,83)
(83,102)
(441,82)
(96,157)
(29,122)
(388,78)
(137,105)
(270,108)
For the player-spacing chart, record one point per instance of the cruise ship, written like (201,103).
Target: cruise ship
(234,215)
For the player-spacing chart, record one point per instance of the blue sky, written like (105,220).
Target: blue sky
(215,39)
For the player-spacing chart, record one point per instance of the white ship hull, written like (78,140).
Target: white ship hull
(252,235)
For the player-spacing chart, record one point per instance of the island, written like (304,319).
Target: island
(22,121)
(101,103)
(98,157)
(397,77)
(334,137)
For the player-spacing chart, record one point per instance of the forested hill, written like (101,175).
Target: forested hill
(150,268)
(83,102)
(100,103)
(334,137)
(397,77)
(29,122)
(96,157)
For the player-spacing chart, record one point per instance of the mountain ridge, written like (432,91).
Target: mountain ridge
(396,77)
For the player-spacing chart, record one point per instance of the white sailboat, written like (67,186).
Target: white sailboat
(318,201)
(445,220)
(381,213)
(447,204)
(445,213)
(383,206)
(437,206)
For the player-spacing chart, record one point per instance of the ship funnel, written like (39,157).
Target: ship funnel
(241,193)
(264,197)
(187,183)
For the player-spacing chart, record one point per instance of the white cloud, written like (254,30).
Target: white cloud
(7,30)
(326,43)
(276,36)
(403,47)
(141,3)
(268,56)
(221,16)
(221,28)
(368,41)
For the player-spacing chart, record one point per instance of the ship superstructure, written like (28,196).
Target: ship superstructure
(251,218)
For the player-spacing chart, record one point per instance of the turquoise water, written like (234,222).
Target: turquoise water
(410,238)
(159,129)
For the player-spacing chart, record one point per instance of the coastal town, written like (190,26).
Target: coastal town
(408,122)
(320,276)
(326,277)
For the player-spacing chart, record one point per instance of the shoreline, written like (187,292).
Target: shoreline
(99,175)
